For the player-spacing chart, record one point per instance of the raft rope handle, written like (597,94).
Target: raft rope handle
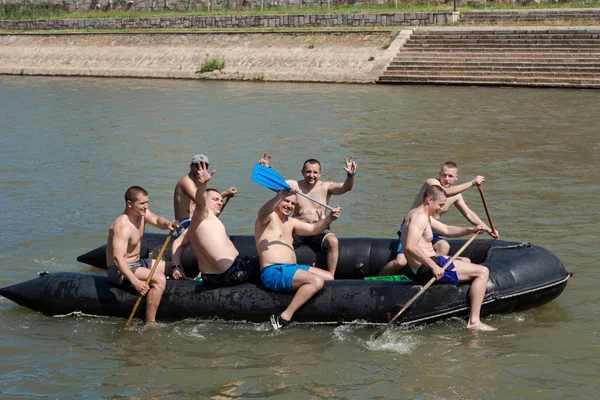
(514,246)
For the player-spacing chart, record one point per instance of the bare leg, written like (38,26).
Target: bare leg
(395,265)
(331,244)
(442,247)
(157,288)
(326,275)
(479,275)
(306,284)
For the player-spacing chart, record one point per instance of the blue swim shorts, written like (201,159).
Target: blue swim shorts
(424,274)
(399,249)
(278,277)
(183,225)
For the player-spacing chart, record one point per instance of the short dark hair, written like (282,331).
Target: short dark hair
(434,191)
(311,161)
(133,192)
(212,190)
(450,164)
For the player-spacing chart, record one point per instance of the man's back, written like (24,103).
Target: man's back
(183,203)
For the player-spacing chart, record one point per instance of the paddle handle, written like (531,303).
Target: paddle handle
(315,200)
(139,299)
(427,285)
(487,212)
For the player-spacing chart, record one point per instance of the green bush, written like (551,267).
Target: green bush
(212,65)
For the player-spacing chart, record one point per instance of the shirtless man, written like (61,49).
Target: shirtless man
(448,176)
(311,212)
(184,204)
(218,259)
(123,250)
(425,263)
(274,243)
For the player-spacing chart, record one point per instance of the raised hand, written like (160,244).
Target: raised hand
(203,175)
(230,192)
(350,167)
(265,160)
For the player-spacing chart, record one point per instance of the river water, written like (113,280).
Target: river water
(70,148)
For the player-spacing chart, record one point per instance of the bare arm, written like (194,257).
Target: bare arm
(227,195)
(188,188)
(456,231)
(306,229)
(338,188)
(269,207)
(473,218)
(159,222)
(456,189)
(200,196)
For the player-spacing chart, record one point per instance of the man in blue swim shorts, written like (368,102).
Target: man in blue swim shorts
(447,177)
(274,243)
(424,263)
(184,205)
(311,212)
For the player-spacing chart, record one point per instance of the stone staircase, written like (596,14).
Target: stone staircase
(548,16)
(551,57)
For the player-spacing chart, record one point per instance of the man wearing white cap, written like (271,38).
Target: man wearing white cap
(184,205)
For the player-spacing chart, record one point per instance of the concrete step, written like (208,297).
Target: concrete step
(509,31)
(491,74)
(484,35)
(493,68)
(494,50)
(509,41)
(562,85)
(497,57)
(487,63)
(553,58)
(499,79)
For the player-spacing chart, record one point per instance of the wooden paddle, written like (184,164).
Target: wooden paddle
(487,212)
(156,262)
(424,288)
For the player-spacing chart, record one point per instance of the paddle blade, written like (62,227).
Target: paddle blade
(268,177)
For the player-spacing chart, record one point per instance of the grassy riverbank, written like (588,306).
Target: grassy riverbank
(23,11)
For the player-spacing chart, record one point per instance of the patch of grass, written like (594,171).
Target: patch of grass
(211,65)
(371,58)
(20,11)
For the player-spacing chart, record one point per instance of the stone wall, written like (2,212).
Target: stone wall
(180,5)
(289,21)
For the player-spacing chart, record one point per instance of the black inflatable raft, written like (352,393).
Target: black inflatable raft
(521,276)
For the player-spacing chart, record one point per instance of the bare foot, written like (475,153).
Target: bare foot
(481,327)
